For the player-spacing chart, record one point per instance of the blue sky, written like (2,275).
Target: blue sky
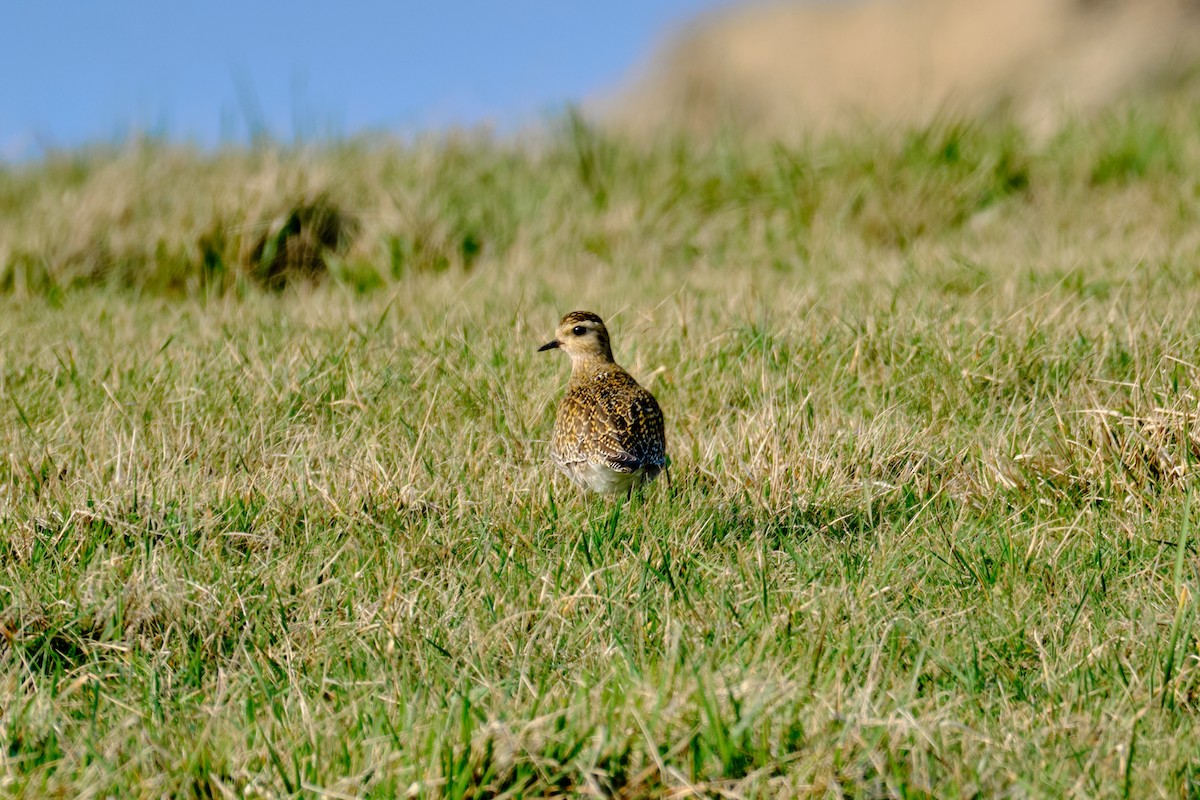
(202,71)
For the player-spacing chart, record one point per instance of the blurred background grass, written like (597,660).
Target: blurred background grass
(159,218)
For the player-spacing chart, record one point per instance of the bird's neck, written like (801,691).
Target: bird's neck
(585,366)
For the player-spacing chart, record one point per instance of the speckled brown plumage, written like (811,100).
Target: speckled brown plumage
(608,434)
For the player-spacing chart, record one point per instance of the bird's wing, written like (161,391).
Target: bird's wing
(631,425)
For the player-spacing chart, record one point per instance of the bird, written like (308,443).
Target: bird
(609,435)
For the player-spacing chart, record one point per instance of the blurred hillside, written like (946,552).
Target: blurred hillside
(789,67)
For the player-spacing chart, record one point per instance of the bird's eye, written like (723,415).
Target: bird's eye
(579,330)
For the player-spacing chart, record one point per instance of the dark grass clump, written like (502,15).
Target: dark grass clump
(295,246)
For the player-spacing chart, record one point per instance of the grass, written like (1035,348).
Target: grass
(276,518)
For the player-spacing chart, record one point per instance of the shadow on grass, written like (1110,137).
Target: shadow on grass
(843,518)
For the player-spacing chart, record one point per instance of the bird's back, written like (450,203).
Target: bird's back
(608,427)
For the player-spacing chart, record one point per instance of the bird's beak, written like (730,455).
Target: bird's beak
(549,345)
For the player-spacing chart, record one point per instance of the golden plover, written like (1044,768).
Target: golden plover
(608,435)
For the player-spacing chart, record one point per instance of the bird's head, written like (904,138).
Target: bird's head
(582,335)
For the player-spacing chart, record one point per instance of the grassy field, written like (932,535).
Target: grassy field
(276,516)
